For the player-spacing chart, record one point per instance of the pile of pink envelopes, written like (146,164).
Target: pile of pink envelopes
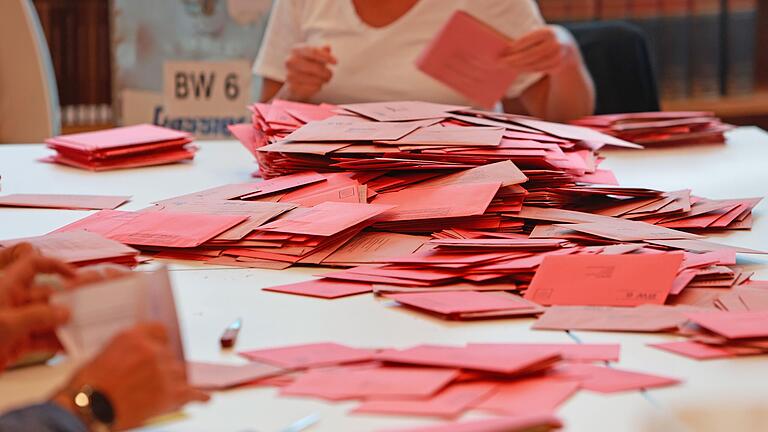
(123,147)
(661,128)
(514,381)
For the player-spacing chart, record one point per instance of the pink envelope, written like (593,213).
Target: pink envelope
(119,137)
(523,423)
(309,355)
(449,403)
(77,202)
(465,55)
(475,358)
(216,376)
(164,229)
(326,219)
(611,380)
(604,280)
(529,395)
(460,302)
(323,288)
(733,325)
(378,382)
(458,200)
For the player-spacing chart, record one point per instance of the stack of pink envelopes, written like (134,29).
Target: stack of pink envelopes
(123,147)
(510,381)
(661,128)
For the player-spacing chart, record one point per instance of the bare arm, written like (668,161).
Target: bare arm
(566,91)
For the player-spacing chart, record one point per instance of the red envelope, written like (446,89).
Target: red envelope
(570,352)
(476,358)
(309,355)
(465,56)
(610,380)
(323,288)
(604,280)
(165,229)
(524,423)
(370,382)
(460,302)
(459,200)
(733,325)
(529,395)
(77,202)
(325,219)
(449,403)
(215,376)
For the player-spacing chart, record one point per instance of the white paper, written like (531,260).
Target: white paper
(100,311)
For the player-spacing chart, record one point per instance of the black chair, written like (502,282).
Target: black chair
(617,55)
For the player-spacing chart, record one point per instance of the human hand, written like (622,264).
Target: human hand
(307,71)
(27,322)
(12,253)
(139,374)
(543,50)
(96,273)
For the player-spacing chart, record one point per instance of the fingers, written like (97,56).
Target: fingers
(154,331)
(320,55)
(10,254)
(530,40)
(303,67)
(23,271)
(36,318)
(98,273)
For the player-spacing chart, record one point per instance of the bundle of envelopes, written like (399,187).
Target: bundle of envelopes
(661,128)
(123,147)
(512,381)
(379,139)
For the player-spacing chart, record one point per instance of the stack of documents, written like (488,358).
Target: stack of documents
(511,380)
(80,248)
(408,137)
(123,147)
(661,128)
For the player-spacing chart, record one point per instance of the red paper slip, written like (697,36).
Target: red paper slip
(604,280)
(569,352)
(119,137)
(78,247)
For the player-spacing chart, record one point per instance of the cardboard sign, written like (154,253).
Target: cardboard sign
(206,88)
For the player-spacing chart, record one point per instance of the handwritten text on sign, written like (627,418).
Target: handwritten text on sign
(207,88)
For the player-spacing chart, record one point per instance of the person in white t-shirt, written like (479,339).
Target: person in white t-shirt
(348,51)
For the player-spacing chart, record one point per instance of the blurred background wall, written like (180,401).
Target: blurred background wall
(709,54)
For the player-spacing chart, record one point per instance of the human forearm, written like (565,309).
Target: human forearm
(570,92)
(47,417)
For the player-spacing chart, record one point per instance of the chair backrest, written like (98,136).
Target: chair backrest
(29,102)
(617,55)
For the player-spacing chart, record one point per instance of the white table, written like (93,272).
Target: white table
(209,297)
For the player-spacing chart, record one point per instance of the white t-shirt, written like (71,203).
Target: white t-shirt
(378,64)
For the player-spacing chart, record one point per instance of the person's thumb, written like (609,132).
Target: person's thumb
(37,318)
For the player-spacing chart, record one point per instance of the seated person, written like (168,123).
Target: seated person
(134,378)
(348,51)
